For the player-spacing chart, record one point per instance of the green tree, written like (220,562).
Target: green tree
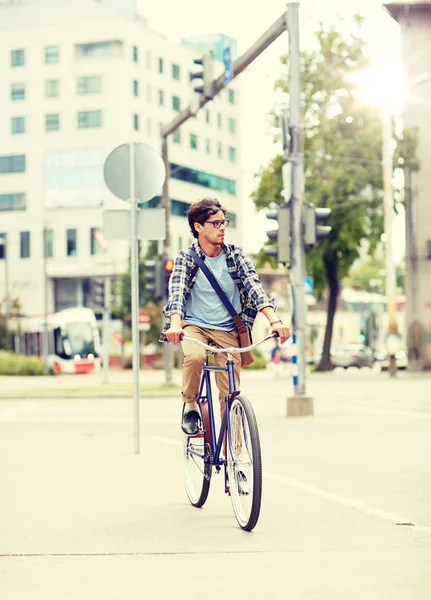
(342,148)
(123,292)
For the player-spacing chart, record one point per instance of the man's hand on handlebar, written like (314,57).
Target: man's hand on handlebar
(174,334)
(282,330)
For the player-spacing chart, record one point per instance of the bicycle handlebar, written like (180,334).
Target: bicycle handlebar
(230,350)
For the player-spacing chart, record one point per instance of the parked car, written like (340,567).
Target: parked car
(351,355)
(401,361)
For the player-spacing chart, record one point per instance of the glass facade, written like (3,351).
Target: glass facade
(24,244)
(12,164)
(74,169)
(52,88)
(49,243)
(176,72)
(108,49)
(17,58)
(52,122)
(12,202)
(18,125)
(52,54)
(71,242)
(17,91)
(176,103)
(90,84)
(213,182)
(89,118)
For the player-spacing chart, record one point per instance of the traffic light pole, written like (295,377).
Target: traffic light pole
(299,404)
(167,253)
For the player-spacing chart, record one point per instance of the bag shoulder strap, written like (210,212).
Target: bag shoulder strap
(220,292)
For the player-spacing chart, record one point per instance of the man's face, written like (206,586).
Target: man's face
(209,233)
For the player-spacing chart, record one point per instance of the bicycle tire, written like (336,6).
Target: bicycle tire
(246,494)
(197,471)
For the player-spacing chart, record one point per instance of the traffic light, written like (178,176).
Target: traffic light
(205,74)
(280,250)
(152,279)
(98,294)
(168,267)
(312,231)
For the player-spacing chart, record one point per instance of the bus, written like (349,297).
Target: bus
(73,340)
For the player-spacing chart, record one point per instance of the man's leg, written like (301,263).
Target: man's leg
(193,362)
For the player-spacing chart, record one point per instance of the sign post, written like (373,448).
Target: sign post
(135,172)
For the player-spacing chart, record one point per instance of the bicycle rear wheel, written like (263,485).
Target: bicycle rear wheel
(197,468)
(244,463)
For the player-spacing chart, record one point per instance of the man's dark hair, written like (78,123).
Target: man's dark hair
(201,210)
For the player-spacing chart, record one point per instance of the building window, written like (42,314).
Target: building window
(17,91)
(176,103)
(136,87)
(231,96)
(89,118)
(232,125)
(219,149)
(18,125)
(135,54)
(148,93)
(207,115)
(219,120)
(49,243)
(193,141)
(136,122)
(52,88)
(109,49)
(149,127)
(90,84)
(71,245)
(52,54)
(176,72)
(161,98)
(94,241)
(12,164)
(161,65)
(208,146)
(176,137)
(24,244)
(202,178)
(17,58)
(12,202)
(52,122)
(232,154)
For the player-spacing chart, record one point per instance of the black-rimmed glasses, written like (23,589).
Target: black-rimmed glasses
(217,224)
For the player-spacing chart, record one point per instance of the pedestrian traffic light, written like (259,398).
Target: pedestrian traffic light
(282,237)
(168,267)
(205,87)
(312,231)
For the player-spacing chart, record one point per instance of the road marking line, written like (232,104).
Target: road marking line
(366,509)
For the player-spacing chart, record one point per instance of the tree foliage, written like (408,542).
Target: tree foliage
(342,152)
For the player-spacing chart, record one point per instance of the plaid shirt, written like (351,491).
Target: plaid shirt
(251,293)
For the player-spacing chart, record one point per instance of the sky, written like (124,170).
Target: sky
(237,19)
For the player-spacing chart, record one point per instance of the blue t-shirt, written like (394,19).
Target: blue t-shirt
(203,306)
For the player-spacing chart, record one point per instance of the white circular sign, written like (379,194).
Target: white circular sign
(150,172)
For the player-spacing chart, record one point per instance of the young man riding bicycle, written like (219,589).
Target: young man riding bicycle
(195,309)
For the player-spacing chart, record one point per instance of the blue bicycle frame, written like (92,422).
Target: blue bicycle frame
(206,382)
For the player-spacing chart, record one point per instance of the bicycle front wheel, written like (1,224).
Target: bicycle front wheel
(244,463)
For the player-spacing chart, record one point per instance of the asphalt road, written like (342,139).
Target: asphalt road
(346,505)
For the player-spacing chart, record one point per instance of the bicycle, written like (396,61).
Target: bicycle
(242,460)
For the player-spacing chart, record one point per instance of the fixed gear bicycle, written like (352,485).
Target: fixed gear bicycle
(236,449)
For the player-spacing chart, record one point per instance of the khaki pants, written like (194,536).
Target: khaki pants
(194,360)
